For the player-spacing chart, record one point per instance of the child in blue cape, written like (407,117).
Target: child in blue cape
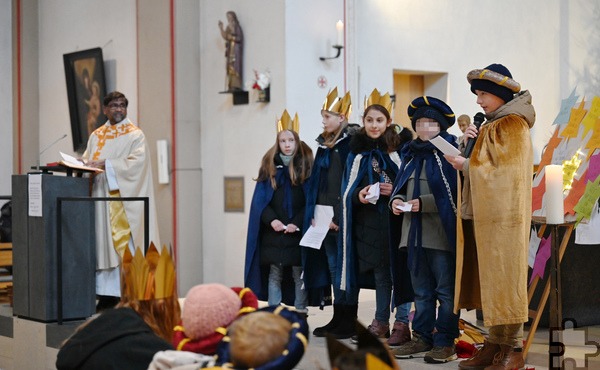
(425,195)
(273,255)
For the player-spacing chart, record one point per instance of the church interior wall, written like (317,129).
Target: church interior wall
(548,46)
(6,109)
(68,26)
(188,172)
(235,137)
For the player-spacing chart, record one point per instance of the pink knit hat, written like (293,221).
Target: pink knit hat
(208,310)
(207,307)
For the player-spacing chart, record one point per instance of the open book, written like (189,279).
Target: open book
(72,162)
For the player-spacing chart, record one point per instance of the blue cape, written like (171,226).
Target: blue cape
(411,156)
(316,270)
(256,276)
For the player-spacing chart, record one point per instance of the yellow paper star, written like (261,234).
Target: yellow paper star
(594,142)
(577,115)
(589,122)
(586,203)
(570,168)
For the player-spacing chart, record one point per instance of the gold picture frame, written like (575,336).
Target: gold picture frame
(234,194)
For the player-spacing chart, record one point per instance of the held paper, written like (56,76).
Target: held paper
(444,146)
(314,236)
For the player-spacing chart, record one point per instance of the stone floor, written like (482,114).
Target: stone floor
(316,357)
(575,343)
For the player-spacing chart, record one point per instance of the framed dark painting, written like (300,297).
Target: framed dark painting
(86,87)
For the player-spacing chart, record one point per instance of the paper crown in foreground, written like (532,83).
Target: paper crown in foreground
(375,353)
(147,278)
(287,123)
(334,104)
(376,98)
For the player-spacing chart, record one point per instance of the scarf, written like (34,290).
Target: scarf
(417,156)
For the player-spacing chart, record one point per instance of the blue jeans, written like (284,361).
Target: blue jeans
(383,293)
(383,296)
(432,282)
(275,277)
(402,311)
(331,250)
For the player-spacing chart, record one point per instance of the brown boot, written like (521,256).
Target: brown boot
(400,334)
(482,358)
(509,358)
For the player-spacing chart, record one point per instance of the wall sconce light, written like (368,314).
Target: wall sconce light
(339,26)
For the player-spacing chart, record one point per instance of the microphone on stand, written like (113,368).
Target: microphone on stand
(46,148)
(477,121)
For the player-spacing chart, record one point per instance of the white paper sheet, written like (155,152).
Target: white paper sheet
(589,233)
(314,236)
(34,193)
(444,146)
(534,245)
(373,194)
(407,207)
(71,159)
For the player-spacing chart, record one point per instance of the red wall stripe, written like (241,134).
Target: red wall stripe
(19,92)
(173,129)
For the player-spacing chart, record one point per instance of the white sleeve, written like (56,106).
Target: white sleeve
(111,176)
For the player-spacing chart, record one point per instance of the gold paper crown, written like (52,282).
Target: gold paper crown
(377,98)
(152,277)
(337,105)
(287,123)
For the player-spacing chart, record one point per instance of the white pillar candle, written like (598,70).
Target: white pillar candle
(554,195)
(339,26)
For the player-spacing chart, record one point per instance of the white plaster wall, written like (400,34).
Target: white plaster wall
(455,37)
(550,47)
(66,26)
(425,36)
(188,137)
(234,138)
(6,98)
(310,34)
(581,57)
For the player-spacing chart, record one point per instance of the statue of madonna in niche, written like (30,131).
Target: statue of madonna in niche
(234,48)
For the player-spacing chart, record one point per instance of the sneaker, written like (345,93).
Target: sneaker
(441,355)
(400,334)
(379,329)
(415,348)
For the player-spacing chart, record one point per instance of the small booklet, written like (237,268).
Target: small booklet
(72,162)
(444,146)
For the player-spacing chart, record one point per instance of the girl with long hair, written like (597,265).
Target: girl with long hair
(273,257)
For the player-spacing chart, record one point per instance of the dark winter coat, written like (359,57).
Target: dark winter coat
(365,227)
(117,339)
(278,247)
(324,188)
(277,204)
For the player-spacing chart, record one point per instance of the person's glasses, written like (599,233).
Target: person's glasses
(115,106)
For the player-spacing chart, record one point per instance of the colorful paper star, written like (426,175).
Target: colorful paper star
(565,109)
(577,114)
(543,254)
(589,122)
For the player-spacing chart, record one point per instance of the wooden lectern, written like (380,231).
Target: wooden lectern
(35,251)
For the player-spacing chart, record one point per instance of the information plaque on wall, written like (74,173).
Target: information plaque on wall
(234,194)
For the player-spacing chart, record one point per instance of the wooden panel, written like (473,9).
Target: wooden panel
(406,88)
(5,254)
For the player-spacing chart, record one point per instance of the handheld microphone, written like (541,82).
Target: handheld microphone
(48,147)
(477,121)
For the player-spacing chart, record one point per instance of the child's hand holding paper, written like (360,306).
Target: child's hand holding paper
(373,194)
